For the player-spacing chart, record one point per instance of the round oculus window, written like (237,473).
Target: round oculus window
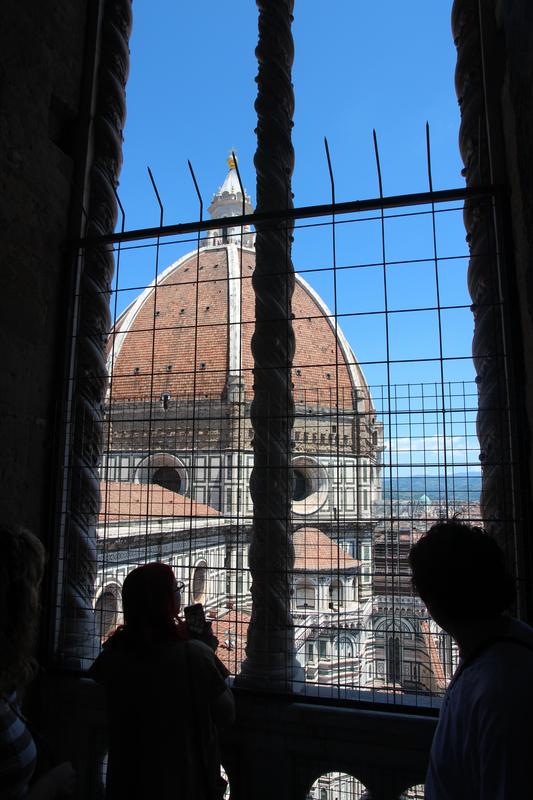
(168,478)
(309,485)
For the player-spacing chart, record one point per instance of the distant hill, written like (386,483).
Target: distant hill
(464,488)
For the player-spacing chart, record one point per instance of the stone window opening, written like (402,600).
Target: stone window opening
(394,658)
(165,470)
(199,583)
(336,594)
(345,647)
(168,478)
(305,596)
(107,609)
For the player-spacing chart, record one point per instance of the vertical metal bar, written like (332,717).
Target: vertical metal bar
(240,394)
(193,472)
(108,398)
(152,366)
(388,559)
(337,395)
(439,317)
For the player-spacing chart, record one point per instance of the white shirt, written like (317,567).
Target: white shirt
(483,744)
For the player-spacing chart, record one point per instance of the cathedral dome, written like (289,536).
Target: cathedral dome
(203,333)
(190,336)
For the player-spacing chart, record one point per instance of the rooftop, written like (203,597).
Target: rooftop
(316,552)
(122,501)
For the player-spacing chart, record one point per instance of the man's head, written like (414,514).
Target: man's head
(460,574)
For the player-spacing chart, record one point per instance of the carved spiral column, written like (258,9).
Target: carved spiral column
(270,657)
(77,635)
(483,279)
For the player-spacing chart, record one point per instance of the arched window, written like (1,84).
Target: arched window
(394,658)
(106,612)
(345,647)
(163,469)
(305,596)
(199,582)
(336,593)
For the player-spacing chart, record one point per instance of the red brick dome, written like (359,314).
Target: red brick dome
(188,334)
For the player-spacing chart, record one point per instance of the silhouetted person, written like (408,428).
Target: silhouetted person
(166,696)
(21,570)
(483,745)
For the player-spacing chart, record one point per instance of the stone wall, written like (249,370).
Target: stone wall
(42,46)
(514,51)
(509,80)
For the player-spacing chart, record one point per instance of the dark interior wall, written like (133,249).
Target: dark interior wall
(507,33)
(40,77)
(515,37)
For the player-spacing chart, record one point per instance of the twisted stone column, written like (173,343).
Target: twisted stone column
(270,659)
(483,279)
(77,634)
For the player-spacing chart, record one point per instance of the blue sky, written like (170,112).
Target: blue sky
(358,66)
(382,65)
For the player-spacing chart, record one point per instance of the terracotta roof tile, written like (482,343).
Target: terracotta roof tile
(231,630)
(128,501)
(314,552)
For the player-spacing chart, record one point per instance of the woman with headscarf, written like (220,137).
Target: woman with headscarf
(166,696)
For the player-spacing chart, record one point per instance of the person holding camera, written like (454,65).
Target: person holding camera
(166,695)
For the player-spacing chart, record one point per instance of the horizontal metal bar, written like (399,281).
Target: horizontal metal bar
(290,214)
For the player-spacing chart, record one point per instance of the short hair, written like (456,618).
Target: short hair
(22,559)
(459,571)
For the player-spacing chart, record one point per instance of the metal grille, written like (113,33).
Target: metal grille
(384,438)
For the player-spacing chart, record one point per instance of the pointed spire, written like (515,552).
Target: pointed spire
(227,202)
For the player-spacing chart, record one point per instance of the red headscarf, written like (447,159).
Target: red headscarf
(149,605)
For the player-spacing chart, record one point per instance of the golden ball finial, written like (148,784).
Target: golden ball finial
(232,161)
